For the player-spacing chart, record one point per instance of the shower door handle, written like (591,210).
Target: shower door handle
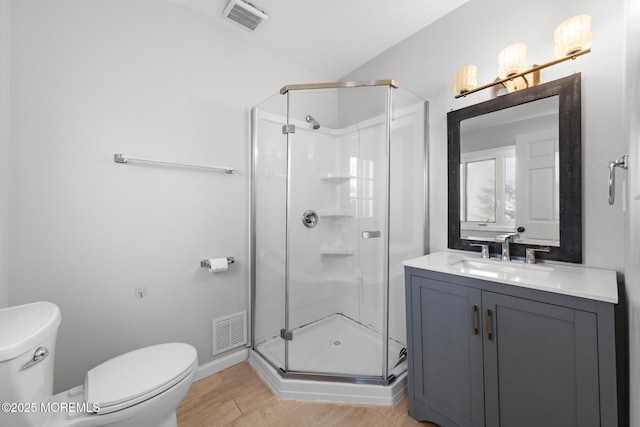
(370,234)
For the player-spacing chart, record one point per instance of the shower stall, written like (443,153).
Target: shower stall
(338,202)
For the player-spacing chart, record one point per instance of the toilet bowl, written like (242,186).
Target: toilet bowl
(141,388)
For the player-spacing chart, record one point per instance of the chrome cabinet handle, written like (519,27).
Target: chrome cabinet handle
(474,320)
(39,355)
(489,325)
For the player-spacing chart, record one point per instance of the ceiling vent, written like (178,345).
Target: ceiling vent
(245,14)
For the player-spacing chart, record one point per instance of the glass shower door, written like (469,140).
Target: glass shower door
(269,195)
(336,233)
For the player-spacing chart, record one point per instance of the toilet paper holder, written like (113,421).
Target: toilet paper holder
(205,262)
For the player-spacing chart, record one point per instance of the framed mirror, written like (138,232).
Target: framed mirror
(514,165)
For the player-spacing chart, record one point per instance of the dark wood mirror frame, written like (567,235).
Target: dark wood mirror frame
(568,90)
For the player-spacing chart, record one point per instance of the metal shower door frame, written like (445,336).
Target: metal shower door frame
(384,378)
(285,372)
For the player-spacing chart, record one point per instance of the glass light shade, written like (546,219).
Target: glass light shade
(512,59)
(572,36)
(466,79)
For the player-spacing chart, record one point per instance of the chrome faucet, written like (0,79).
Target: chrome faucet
(484,249)
(505,239)
(530,254)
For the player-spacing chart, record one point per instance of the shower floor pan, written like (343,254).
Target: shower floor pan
(334,345)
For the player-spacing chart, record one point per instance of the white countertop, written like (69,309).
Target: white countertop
(567,279)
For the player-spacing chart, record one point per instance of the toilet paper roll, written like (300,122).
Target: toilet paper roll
(217,265)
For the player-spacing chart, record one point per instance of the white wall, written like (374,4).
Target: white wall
(5,34)
(632,241)
(148,79)
(474,34)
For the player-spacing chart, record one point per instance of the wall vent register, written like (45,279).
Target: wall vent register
(229,332)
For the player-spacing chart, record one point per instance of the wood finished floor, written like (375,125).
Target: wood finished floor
(237,397)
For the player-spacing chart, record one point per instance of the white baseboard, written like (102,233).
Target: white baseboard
(232,358)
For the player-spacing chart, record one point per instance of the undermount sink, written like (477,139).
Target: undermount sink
(512,270)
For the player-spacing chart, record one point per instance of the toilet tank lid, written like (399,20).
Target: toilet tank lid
(23,327)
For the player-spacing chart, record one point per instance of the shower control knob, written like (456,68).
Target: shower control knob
(310,218)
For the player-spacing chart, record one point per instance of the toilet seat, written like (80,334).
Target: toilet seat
(134,377)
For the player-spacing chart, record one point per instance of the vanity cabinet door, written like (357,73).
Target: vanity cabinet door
(540,364)
(445,353)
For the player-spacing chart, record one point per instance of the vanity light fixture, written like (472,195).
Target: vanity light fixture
(573,36)
(466,79)
(512,60)
(529,79)
(572,39)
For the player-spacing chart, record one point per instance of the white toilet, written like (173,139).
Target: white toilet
(141,388)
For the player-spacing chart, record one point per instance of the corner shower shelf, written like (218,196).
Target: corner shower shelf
(333,178)
(337,251)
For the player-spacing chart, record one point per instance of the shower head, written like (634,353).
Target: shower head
(310,119)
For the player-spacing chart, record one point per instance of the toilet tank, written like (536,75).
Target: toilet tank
(27,381)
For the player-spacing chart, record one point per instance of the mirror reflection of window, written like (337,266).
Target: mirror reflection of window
(510,189)
(481,190)
(488,190)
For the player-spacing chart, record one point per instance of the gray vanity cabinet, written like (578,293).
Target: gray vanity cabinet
(445,353)
(540,364)
(487,354)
